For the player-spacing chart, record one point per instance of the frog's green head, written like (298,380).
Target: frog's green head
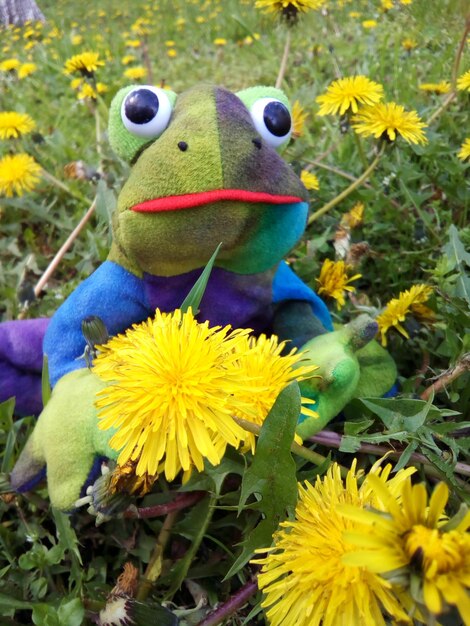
(205,170)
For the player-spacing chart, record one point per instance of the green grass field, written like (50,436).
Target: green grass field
(414,230)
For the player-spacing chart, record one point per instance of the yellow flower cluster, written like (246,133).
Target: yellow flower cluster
(365,547)
(174,385)
(360,98)
(304,578)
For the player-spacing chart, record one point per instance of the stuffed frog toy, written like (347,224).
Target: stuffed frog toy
(206,169)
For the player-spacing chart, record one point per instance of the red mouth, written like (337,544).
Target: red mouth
(191,200)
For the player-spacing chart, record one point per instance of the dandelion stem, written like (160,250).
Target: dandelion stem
(99,149)
(455,70)
(154,566)
(63,249)
(185,563)
(460,49)
(450,97)
(58,183)
(233,604)
(302,451)
(332,203)
(285,55)
(360,149)
(146,59)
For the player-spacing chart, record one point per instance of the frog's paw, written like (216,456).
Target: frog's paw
(67,440)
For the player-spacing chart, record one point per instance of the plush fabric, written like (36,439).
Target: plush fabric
(69,421)
(207,179)
(21,359)
(220,157)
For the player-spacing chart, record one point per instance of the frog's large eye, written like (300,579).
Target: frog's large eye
(272,120)
(146,111)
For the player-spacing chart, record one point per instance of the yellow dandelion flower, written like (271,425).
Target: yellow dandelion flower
(303,577)
(128,58)
(464,150)
(87,92)
(136,73)
(369,24)
(354,217)
(86,63)
(19,173)
(200,19)
(170,43)
(346,94)
(171,53)
(354,14)
(101,88)
(409,44)
(463,82)
(334,281)
(441,87)
(397,309)
(299,117)
(133,43)
(267,373)
(9,65)
(289,9)
(76,83)
(76,40)
(170,380)
(174,385)
(26,69)
(386,5)
(14,125)
(389,120)
(309,180)
(410,535)
(220,41)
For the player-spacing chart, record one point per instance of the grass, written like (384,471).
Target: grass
(415,230)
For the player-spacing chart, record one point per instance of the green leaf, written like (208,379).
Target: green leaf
(402,413)
(405,456)
(6,421)
(45,384)
(271,478)
(7,602)
(194,297)
(71,613)
(455,250)
(69,543)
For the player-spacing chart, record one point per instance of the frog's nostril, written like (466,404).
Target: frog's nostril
(257,142)
(183,146)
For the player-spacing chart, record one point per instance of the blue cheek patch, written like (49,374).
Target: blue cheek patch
(279,228)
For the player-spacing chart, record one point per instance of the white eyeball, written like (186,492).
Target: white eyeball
(146,111)
(272,120)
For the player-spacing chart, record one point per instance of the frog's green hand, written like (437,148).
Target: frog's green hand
(337,355)
(65,442)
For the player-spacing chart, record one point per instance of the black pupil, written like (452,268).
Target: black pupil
(141,106)
(277,119)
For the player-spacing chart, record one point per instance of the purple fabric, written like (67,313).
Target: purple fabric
(21,363)
(235,299)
